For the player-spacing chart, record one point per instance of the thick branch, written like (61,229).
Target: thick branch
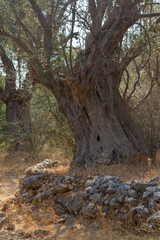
(149,15)
(40,15)
(28,33)
(64,9)
(47,29)
(10,83)
(7,62)
(119,21)
(72,30)
(17,41)
(130,56)
(135,84)
(97,14)
(145,96)
(92,9)
(127,85)
(1,94)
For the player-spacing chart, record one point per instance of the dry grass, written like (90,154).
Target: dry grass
(127,172)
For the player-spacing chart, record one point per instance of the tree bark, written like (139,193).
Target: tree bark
(19,121)
(103,129)
(17,103)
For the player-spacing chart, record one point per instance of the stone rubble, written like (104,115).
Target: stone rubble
(47,163)
(71,195)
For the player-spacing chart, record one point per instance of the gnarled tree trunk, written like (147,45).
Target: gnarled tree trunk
(103,128)
(19,121)
(17,103)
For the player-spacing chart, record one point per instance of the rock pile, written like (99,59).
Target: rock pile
(125,200)
(47,163)
(71,195)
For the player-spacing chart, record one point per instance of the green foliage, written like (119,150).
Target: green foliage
(148,118)
(2,81)
(49,127)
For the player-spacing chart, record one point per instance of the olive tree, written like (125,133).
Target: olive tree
(86,88)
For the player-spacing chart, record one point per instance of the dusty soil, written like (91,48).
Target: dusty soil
(8,185)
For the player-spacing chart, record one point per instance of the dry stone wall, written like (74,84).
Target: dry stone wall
(71,195)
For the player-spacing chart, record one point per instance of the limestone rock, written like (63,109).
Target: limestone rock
(32,182)
(131,201)
(3,221)
(154,180)
(112,188)
(141,210)
(140,186)
(121,193)
(156,197)
(132,193)
(72,204)
(90,210)
(41,233)
(62,188)
(114,203)
(155,218)
(96,198)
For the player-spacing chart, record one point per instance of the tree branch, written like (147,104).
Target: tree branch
(145,96)
(157,73)
(40,15)
(47,30)
(130,56)
(64,9)
(92,9)
(1,94)
(10,79)
(72,30)
(116,25)
(135,84)
(7,62)
(127,85)
(149,15)
(17,41)
(26,30)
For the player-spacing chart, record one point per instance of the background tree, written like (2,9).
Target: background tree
(3,135)
(17,101)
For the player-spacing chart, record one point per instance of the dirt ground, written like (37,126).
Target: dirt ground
(77,228)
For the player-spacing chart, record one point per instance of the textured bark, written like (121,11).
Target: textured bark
(19,121)
(17,103)
(103,129)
